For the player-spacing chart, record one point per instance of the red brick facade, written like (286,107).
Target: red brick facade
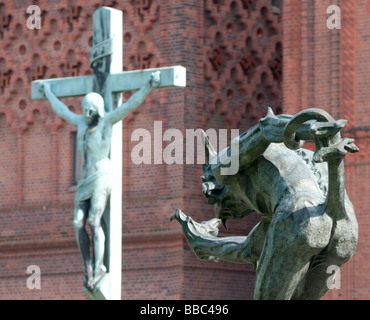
(329,69)
(233,52)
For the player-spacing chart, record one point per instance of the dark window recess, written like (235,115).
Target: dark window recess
(76,171)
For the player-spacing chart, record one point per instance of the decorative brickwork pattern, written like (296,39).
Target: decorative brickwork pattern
(327,69)
(243,60)
(240,55)
(36,178)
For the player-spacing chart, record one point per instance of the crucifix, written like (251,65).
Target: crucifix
(99,136)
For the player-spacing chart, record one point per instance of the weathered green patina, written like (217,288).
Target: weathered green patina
(308,222)
(99,192)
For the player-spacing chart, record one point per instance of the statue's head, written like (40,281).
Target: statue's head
(226,203)
(92,107)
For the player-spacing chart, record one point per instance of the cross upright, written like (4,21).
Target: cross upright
(109,81)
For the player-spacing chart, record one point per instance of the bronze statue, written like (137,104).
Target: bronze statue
(94,132)
(308,222)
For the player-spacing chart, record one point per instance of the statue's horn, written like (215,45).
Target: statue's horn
(210,151)
(270,112)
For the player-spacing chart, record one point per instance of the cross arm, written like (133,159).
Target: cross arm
(119,82)
(64,87)
(135,80)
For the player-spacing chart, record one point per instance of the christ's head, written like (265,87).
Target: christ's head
(92,107)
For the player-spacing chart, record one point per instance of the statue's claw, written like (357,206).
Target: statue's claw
(337,150)
(178,215)
(328,129)
(205,228)
(351,147)
(198,234)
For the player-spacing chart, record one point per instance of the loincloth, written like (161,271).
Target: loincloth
(98,183)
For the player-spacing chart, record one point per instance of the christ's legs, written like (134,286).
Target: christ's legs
(79,222)
(97,207)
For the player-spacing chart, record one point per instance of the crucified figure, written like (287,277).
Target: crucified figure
(94,133)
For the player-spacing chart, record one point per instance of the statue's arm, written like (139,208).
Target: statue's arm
(270,129)
(136,100)
(58,106)
(274,128)
(233,249)
(238,249)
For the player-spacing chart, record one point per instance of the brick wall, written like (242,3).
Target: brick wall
(232,51)
(329,69)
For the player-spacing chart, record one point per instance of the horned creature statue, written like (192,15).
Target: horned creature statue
(308,222)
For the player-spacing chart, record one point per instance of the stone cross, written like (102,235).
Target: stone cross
(109,81)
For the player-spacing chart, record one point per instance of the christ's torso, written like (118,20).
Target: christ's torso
(94,146)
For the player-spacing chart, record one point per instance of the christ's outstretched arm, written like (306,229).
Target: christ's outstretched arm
(58,106)
(136,100)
